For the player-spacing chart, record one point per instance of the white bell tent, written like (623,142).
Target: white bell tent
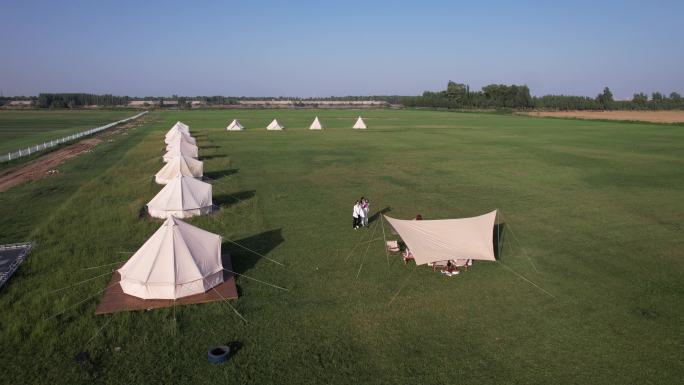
(360,124)
(176,135)
(178,260)
(179,148)
(182,197)
(275,126)
(179,165)
(235,126)
(316,125)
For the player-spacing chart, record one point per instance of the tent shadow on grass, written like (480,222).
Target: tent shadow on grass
(243,260)
(208,146)
(377,214)
(225,200)
(220,173)
(207,157)
(498,239)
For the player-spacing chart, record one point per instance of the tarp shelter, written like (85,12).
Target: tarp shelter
(274,126)
(182,197)
(235,126)
(178,135)
(445,239)
(316,125)
(179,166)
(360,124)
(178,260)
(180,148)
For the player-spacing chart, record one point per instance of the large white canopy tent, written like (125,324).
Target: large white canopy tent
(446,239)
(182,197)
(360,124)
(179,165)
(275,126)
(235,126)
(179,148)
(174,136)
(178,260)
(316,125)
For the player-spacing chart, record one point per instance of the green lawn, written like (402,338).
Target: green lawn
(21,129)
(593,212)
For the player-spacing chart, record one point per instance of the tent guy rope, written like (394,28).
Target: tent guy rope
(80,283)
(254,279)
(231,306)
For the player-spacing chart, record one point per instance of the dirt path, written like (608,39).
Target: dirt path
(45,165)
(643,116)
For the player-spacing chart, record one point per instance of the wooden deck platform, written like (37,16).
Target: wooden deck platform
(115,300)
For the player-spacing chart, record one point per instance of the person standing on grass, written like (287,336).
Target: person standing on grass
(356,214)
(362,213)
(365,206)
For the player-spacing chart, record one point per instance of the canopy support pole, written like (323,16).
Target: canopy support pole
(382,222)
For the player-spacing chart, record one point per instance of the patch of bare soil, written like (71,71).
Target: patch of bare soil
(46,165)
(643,116)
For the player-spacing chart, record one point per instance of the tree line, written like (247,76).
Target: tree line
(455,96)
(459,96)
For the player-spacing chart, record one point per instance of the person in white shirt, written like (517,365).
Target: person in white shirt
(356,214)
(362,213)
(365,206)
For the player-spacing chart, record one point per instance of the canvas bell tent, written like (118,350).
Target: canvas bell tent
(316,125)
(235,126)
(182,127)
(275,126)
(178,260)
(446,239)
(179,136)
(360,124)
(179,148)
(179,166)
(182,197)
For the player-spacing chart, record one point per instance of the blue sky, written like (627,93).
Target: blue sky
(323,48)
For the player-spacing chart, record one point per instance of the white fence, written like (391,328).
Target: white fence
(56,142)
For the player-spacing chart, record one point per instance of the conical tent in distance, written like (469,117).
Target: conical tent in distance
(182,127)
(179,136)
(316,125)
(275,126)
(360,124)
(180,148)
(235,125)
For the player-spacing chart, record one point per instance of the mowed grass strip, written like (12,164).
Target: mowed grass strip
(594,216)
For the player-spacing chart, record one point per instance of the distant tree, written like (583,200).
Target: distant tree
(640,100)
(457,92)
(605,99)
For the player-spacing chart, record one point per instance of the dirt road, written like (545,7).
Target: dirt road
(43,166)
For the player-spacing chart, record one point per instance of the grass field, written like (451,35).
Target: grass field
(21,129)
(593,212)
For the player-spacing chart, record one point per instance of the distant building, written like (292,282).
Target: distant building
(318,103)
(169,103)
(198,104)
(20,103)
(143,103)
